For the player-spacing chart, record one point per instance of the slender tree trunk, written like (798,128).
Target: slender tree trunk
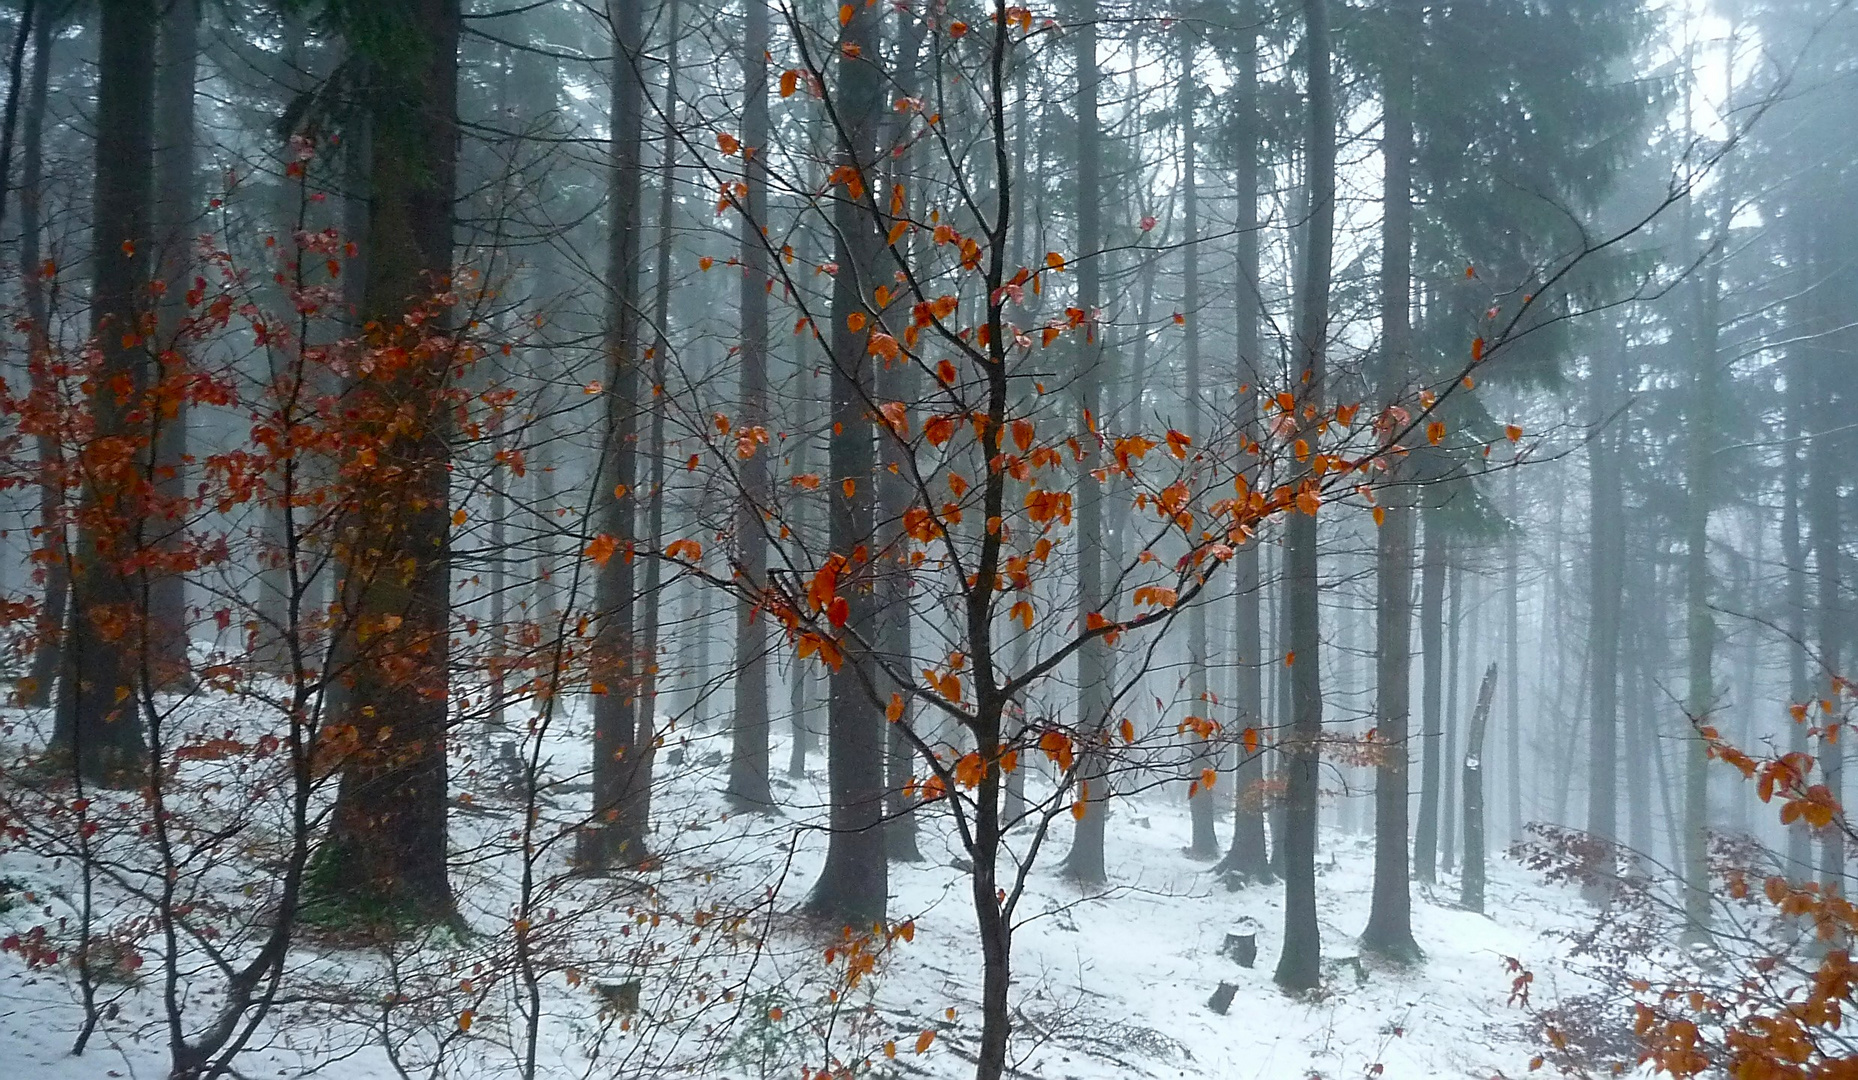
(1448,821)
(1248,859)
(175,211)
(749,765)
(853,886)
(1830,376)
(1700,622)
(1433,560)
(1085,861)
(1300,965)
(387,843)
(1512,685)
(1471,884)
(616,833)
(1205,845)
(1606,534)
(652,593)
(1793,553)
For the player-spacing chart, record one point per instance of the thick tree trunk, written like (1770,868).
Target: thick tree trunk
(387,844)
(100,723)
(36,689)
(1300,964)
(1390,922)
(853,887)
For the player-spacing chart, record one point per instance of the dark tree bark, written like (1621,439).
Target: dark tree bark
(387,843)
(621,768)
(1299,966)
(853,887)
(176,207)
(99,723)
(1390,919)
(36,689)
(1249,858)
(896,381)
(748,758)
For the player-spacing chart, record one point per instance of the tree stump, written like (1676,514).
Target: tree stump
(1242,946)
(1222,998)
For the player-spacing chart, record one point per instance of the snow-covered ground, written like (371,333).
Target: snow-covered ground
(1108,984)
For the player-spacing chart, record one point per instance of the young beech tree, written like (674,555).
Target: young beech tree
(996,457)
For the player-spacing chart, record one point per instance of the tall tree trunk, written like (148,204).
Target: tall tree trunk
(1084,862)
(1700,622)
(621,773)
(1390,919)
(1606,537)
(748,758)
(387,844)
(36,689)
(645,741)
(896,381)
(852,888)
(102,727)
(176,198)
(1512,684)
(1300,964)
(1205,845)
(1830,382)
(1248,859)
(1448,729)
(1434,557)
(1793,554)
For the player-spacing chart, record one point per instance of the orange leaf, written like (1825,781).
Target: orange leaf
(600,549)
(894,711)
(1380,516)
(846,11)
(855,321)
(1250,739)
(1127,730)
(465,1018)
(790,80)
(923,1041)
(1513,432)
(727,143)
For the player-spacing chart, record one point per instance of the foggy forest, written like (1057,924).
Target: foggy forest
(565,539)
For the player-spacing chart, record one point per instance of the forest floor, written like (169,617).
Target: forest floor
(1112,983)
